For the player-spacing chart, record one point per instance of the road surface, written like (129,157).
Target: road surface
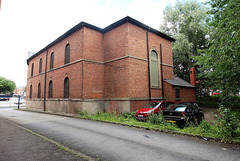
(119,143)
(19,144)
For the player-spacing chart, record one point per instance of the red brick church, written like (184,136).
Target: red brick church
(118,68)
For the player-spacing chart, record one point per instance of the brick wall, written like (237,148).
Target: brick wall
(107,71)
(116,79)
(187,95)
(115,43)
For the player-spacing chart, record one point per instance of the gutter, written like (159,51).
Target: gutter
(149,79)
(45,80)
(161,71)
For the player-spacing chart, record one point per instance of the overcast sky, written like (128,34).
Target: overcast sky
(30,25)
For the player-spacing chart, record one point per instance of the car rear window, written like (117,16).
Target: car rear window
(151,105)
(175,107)
(180,109)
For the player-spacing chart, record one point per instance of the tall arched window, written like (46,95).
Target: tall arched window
(154,69)
(50,91)
(30,94)
(39,90)
(32,69)
(52,61)
(67,54)
(40,66)
(66,87)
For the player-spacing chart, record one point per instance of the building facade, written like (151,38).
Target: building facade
(115,69)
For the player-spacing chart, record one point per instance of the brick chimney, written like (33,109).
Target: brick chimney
(192,76)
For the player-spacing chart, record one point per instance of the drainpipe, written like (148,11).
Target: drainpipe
(45,80)
(149,79)
(161,71)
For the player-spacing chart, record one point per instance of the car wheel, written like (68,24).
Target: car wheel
(201,119)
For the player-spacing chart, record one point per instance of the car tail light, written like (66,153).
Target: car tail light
(183,114)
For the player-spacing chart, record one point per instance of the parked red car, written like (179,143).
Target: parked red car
(216,93)
(153,107)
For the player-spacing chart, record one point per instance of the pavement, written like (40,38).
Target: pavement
(20,144)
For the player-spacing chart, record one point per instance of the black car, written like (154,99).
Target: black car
(183,112)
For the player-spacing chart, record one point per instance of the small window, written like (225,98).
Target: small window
(50,91)
(32,69)
(154,69)
(39,90)
(177,91)
(40,66)
(52,61)
(67,54)
(30,94)
(66,87)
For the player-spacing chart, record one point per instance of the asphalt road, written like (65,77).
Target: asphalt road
(18,144)
(119,143)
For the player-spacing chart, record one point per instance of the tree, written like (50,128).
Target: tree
(181,52)
(221,60)
(186,23)
(6,86)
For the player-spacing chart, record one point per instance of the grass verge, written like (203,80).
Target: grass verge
(205,130)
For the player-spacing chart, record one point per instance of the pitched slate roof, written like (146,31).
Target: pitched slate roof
(106,29)
(176,81)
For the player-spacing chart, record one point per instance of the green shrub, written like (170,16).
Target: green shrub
(230,101)
(82,113)
(227,123)
(205,128)
(208,101)
(156,119)
(190,122)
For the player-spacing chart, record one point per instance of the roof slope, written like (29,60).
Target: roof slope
(106,29)
(176,81)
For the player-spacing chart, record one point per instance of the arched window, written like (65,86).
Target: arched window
(40,66)
(39,90)
(52,61)
(30,94)
(66,87)
(67,54)
(154,69)
(50,91)
(32,69)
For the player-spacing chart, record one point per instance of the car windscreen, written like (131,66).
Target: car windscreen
(151,105)
(177,108)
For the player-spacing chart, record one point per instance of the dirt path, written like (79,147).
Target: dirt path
(209,113)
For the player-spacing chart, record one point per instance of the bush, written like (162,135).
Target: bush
(82,113)
(227,123)
(208,101)
(205,127)
(190,122)
(231,101)
(156,119)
